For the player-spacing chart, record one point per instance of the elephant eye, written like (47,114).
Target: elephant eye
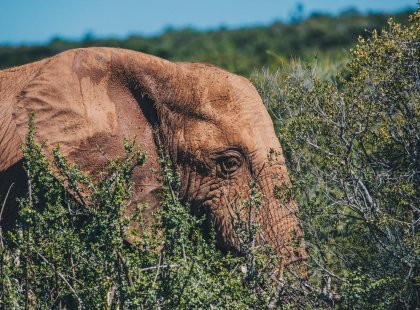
(229,164)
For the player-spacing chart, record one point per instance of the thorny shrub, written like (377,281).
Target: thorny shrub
(69,247)
(352,146)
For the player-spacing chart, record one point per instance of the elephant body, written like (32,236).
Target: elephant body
(211,123)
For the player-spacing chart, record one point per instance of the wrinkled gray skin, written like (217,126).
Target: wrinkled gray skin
(212,124)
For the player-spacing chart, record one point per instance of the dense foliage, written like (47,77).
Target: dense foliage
(240,50)
(350,133)
(352,145)
(70,250)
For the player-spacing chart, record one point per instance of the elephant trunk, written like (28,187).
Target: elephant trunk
(278,221)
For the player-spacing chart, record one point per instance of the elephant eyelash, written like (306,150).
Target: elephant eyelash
(230,165)
(229,162)
(231,151)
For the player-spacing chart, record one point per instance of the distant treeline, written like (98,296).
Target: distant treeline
(240,50)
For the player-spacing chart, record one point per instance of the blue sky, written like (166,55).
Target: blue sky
(37,21)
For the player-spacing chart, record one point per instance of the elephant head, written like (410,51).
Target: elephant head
(211,123)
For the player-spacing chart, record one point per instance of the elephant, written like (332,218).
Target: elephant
(211,123)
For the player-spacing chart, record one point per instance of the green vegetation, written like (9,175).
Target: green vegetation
(240,51)
(350,133)
(69,247)
(352,146)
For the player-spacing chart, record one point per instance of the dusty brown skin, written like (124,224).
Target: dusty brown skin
(212,124)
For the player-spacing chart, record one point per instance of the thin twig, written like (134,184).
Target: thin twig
(4,202)
(130,280)
(62,277)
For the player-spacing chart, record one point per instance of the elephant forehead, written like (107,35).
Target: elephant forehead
(201,134)
(207,88)
(248,129)
(232,114)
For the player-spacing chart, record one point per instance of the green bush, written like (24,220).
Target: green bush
(69,247)
(351,143)
(352,146)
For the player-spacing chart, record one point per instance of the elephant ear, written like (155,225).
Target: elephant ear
(89,100)
(69,103)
